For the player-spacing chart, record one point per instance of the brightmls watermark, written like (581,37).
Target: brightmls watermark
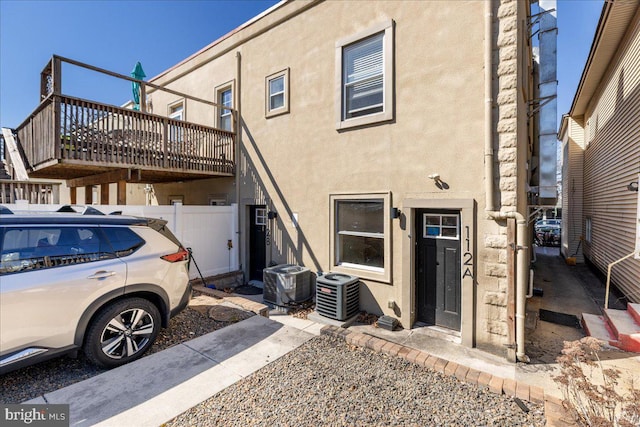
(34,415)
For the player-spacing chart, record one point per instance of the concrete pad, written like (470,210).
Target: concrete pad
(157,388)
(296,322)
(247,360)
(318,318)
(101,397)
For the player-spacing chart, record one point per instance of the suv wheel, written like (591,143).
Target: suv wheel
(122,332)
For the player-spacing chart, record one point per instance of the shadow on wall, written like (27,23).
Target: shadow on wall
(287,250)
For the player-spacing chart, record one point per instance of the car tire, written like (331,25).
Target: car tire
(122,332)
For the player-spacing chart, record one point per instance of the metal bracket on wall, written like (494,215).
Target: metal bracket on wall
(537,103)
(535,19)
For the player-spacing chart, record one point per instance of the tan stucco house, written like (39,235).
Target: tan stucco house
(391,142)
(399,142)
(601,151)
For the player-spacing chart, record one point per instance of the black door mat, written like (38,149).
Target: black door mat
(247,290)
(560,318)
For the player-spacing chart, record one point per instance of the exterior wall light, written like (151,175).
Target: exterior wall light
(633,186)
(395,213)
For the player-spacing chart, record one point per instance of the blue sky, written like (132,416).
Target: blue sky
(116,34)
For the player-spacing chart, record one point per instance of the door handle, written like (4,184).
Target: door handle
(102,274)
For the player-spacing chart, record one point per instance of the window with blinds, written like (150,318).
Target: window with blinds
(364,71)
(363,77)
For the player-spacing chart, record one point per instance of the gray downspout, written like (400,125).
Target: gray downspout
(237,155)
(490,208)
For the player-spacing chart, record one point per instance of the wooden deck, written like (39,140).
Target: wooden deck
(67,138)
(73,138)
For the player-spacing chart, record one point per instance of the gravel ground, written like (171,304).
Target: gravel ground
(328,382)
(33,381)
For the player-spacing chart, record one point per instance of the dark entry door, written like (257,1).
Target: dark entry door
(257,241)
(438,267)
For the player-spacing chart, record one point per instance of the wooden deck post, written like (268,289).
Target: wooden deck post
(122,192)
(104,193)
(88,194)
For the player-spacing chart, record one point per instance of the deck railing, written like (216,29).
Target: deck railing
(35,192)
(88,133)
(67,128)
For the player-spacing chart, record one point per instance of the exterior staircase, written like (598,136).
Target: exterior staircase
(619,328)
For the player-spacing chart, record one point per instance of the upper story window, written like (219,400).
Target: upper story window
(363,77)
(277,93)
(225,98)
(176,111)
(364,70)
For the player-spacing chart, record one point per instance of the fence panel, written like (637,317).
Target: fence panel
(205,229)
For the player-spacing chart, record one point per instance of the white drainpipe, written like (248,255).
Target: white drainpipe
(521,221)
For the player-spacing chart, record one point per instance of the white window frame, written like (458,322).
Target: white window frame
(176,111)
(220,112)
(366,272)
(387,112)
(425,234)
(261,216)
(269,112)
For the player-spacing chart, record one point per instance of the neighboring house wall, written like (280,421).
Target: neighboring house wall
(609,100)
(304,161)
(572,189)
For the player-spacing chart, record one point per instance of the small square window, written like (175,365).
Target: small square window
(441,226)
(261,216)
(277,93)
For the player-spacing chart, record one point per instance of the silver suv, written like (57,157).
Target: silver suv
(102,283)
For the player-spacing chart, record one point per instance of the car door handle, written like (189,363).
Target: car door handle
(102,274)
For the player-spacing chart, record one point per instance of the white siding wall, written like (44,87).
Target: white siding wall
(611,162)
(572,192)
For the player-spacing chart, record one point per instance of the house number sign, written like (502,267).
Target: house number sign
(467,256)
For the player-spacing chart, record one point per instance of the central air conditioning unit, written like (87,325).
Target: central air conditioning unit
(286,283)
(337,296)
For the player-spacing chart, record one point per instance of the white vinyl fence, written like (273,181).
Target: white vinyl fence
(207,230)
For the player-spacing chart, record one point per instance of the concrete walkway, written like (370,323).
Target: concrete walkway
(157,388)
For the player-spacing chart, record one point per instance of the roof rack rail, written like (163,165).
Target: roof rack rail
(66,209)
(86,210)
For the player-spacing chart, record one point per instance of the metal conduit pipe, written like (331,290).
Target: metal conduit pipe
(521,221)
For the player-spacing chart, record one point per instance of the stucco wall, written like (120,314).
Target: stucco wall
(294,162)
